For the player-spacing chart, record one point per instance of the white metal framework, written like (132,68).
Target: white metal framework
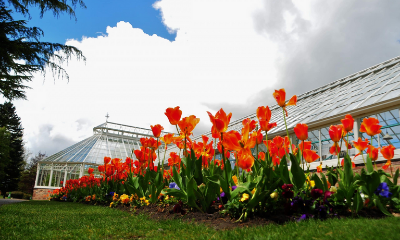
(109,139)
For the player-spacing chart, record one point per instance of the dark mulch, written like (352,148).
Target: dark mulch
(219,221)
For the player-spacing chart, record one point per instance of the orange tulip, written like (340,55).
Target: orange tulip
(319,168)
(156,130)
(361,145)
(261,155)
(101,168)
(301,131)
(373,152)
(167,139)
(387,164)
(348,123)
(173,114)
(221,120)
(310,156)
(388,152)
(90,170)
(258,136)
(335,149)
(280,97)
(307,145)
(239,142)
(251,123)
(107,160)
(152,143)
(174,160)
(245,161)
(335,132)
(263,113)
(266,126)
(370,126)
(187,124)
(215,133)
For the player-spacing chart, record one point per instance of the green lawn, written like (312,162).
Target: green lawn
(55,220)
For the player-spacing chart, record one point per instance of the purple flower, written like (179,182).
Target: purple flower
(174,185)
(303,217)
(383,190)
(233,188)
(222,194)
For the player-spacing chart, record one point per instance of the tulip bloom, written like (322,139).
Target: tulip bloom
(348,123)
(388,152)
(301,131)
(361,145)
(107,160)
(156,130)
(173,114)
(220,121)
(90,170)
(280,97)
(258,136)
(187,124)
(261,155)
(370,126)
(319,168)
(266,126)
(167,139)
(373,152)
(305,145)
(245,161)
(263,113)
(335,132)
(310,156)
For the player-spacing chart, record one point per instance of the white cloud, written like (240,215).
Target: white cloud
(217,57)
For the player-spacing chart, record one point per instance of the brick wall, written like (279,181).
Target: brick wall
(41,194)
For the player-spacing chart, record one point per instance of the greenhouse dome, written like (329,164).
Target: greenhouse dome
(372,92)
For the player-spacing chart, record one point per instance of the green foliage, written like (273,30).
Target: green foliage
(15,162)
(21,52)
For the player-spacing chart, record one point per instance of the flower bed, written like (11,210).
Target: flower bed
(260,185)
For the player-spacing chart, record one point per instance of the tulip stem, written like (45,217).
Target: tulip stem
(302,160)
(287,132)
(163,162)
(223,158)
(266,140)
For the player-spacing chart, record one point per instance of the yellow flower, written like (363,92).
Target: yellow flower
(124,198)
(147,202)
(111,204)
(220,190)
(167,197)
(333,189)
(143,199)
(115,197)
(235,180)
(245,197)
(94,197)
(309,182)
(274,195)
(253,191)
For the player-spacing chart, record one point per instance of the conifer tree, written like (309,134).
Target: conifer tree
(21,52)
(14,165)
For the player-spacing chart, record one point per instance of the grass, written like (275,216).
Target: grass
(57,220)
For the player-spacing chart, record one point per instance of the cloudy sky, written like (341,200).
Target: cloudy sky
(146,56)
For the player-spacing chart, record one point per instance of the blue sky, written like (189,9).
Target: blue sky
(92,21)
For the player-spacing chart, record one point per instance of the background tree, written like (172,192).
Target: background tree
(28,176)
(4,153)
(12,123)
(21,52)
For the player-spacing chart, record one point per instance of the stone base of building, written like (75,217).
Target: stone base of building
(41,194)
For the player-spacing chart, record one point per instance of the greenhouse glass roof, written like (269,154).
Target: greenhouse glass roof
(109,139)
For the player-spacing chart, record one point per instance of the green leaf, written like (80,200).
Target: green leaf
(177,178)
(358,202)
(299,177)
(192,194)
(284,171)
(370,168)
(325,183)
(318,182)
(395,177)
(381,207)
(243,187)
(348,171)
(175,192)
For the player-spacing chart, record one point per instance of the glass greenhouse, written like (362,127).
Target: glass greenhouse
(372,92)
